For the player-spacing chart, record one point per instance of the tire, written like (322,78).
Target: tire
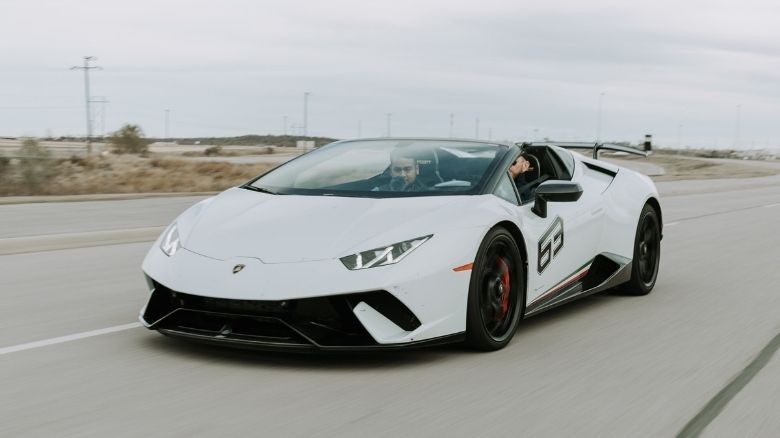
(496,292)
(647,254)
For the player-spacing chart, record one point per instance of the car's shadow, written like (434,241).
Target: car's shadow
(351,361)
(347,360)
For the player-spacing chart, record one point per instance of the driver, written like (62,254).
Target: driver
(519,172)
(404,171)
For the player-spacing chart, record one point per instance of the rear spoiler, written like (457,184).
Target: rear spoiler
(583,145)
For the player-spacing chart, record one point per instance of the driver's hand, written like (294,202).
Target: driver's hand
(521,165)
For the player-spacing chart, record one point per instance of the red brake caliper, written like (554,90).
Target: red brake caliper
(505,283)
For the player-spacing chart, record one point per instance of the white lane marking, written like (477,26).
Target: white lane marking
(54,242)
(671,224)
(68,338)
(771,205)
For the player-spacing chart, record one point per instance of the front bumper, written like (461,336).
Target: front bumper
(322,323)
(355,309)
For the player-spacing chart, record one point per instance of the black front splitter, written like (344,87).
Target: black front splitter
(303,348)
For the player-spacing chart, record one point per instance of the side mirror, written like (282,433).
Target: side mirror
(555,191)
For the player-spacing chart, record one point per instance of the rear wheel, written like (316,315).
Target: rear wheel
(495,292)
(647,254)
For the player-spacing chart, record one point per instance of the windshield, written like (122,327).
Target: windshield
(386,168)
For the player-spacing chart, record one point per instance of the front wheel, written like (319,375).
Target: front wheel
(647,254)
(495,292)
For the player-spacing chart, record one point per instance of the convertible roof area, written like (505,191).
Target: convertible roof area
(584,145)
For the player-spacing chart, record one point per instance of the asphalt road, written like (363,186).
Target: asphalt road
(608,365)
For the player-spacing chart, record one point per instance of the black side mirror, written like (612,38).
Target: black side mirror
(555,191)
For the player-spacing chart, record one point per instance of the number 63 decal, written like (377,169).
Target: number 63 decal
(550,244)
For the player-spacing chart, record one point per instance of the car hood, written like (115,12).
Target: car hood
(292,228)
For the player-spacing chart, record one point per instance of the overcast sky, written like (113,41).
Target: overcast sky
(685,71)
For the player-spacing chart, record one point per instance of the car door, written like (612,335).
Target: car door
(562,245)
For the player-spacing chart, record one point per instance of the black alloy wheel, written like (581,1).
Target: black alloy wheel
(495,293)
(647,254)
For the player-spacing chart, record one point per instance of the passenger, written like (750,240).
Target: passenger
(519,172)
(404,171)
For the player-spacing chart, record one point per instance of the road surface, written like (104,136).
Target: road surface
(73,361)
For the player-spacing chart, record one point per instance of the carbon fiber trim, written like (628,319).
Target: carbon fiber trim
(606,271)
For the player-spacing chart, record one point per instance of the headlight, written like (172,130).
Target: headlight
(170,241)
(387,255)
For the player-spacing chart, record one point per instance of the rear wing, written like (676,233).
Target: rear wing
(583,145)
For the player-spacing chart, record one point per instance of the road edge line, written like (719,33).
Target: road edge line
(715,406)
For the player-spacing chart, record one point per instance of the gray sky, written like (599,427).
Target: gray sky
(526,69)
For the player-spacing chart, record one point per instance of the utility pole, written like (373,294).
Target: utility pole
(598,122)
(284,125)
(306,113)
(737,126)
(101,113)
(86,67)
(476,128)
(167,120)
(452,124)
(389,116)
(679,136)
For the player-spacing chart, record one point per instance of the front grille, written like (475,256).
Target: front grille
(252,307)
(234,328)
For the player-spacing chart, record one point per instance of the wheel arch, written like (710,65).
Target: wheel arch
(657,207)
(514,230)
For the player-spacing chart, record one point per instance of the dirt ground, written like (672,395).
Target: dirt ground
(677,167)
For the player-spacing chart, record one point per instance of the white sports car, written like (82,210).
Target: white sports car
(401,242)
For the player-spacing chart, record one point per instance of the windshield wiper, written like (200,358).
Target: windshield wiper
(259,189)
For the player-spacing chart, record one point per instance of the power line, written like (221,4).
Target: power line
(38,107)
(254,130)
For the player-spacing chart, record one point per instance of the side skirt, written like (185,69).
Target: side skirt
(605,271)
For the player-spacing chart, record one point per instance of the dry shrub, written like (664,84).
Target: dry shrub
(5,164)
(213,150)
(166,164)
(129,139)
(87,163)
(35,163)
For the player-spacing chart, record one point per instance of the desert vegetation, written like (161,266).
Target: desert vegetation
(5,163)
(35,164)
(121,174)
(243,140)
(128,166)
